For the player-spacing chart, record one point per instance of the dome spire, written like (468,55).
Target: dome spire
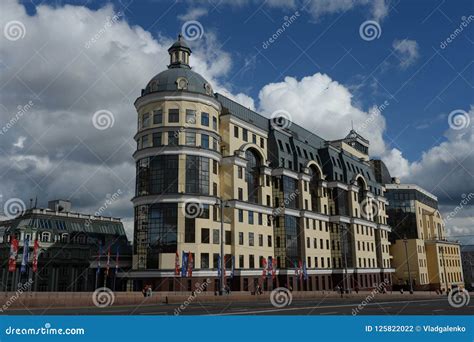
(179,54)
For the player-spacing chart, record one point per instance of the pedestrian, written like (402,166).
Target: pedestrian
(357,289)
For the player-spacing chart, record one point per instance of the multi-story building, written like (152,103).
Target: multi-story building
(418,235)
(290,197)
(467,256)
(73,250)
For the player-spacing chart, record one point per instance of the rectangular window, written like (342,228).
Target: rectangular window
(190,138)
(251,239)
(260,219)
(262,143)
(260,240)
(190,230)
(190,116)
(250,217)
(239,172)
(146,120)
(156,139)
(214,144)
(205,141)
(228,237)
(173,115)
(205,119)
(245,134)
(204,260)
(254,139)
(215,236)
(240,194)
(241,238)
(173,138)
(241,261)
(251,261)
(236,131)
(157,117)
(241,215)
(145,141)
(204,235)
(214,189)
(214,123)
(269,240)
(214,167)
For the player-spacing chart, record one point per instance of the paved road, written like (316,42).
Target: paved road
(332,306)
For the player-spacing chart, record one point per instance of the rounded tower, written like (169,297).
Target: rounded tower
(177,164)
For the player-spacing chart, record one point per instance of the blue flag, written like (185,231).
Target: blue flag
(26,250)
(305,272)
(219,266)
(184,266)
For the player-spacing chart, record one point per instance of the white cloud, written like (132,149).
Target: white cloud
(72,62)
(406,51)
(193,14)
(378,8)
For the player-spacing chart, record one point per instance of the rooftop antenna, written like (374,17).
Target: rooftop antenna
(36,201)
(352,124)
(31,203)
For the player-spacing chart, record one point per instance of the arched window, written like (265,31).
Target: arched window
(45,237)
(313,188)
(252,175)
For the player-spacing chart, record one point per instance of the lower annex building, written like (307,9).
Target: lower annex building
(291,199)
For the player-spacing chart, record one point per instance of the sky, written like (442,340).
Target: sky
(400,72)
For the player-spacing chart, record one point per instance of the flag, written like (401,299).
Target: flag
(305,271)
(98,261)
(270,267)
(190,264)
(184,266)
(300,268)
(35,256)
(176,264)
(108,262)
(116,260)
(233,267)
(24,260)
(274,268)
(264,265)
(219,266)
(13,254)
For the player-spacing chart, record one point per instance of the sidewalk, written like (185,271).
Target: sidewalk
(82,299)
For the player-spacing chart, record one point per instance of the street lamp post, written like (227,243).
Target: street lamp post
(405,241)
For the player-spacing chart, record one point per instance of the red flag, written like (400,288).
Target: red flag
(274,268)
(264,265)
(176,264)
(35,256)
(13,254)
(190,264)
